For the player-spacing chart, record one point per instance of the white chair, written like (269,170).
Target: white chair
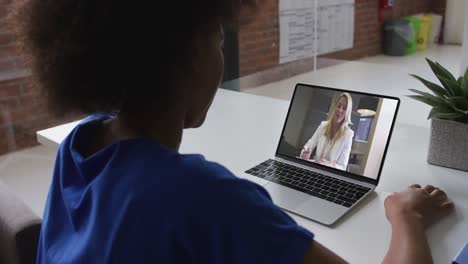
(19,230)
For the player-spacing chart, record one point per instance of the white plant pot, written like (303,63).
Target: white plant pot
(448,145)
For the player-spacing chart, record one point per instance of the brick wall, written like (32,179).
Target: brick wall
(259,41)
(9,59)
(439,6)
(23,111)
(22,108)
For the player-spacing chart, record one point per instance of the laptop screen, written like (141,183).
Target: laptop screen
(344,130)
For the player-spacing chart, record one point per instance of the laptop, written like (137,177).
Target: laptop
(331,151)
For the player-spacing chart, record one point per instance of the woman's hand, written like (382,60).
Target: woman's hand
(422,205)
(326,162)
(305,153)
(410,212)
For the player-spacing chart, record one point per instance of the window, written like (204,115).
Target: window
(364,127)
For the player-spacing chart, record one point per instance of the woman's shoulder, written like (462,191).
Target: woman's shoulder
(349,132)
(198,164)
(323,124)
(193,178)
(199,174)
(160,168)
(215,187)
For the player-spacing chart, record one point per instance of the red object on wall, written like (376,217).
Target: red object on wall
(383,6)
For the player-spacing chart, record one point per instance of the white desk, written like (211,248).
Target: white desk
(363,77)
(242,130)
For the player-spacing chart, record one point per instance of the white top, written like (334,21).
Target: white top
(242,130)
(332,152)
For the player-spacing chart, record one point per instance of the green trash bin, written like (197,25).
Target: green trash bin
(397,34)
(415,25)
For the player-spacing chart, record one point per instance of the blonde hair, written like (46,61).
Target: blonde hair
(344,124)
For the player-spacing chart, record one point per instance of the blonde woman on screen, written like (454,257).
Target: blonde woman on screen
(333,138)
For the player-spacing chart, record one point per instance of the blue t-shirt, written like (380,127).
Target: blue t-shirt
(135,201)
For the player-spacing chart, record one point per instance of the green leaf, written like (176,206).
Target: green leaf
(449,116)
(459,102)
(441,101)
(431,100)
(435,88)
(464,84)
(437,110)
(451,86)
(447,72)
(461,112)
(440,70)
(422,93)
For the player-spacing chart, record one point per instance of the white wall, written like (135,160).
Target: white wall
(454,16)
(382,130)
(464,61)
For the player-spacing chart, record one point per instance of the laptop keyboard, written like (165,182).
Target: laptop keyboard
(313,183)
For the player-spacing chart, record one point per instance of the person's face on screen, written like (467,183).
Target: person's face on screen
(340,110)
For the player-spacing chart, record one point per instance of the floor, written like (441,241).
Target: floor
(447,55)
(28,172)
(377,75)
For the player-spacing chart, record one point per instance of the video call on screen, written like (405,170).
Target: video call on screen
(346,131)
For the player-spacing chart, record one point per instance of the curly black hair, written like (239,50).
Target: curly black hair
(104,55)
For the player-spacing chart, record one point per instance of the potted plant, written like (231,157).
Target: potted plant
(448,144)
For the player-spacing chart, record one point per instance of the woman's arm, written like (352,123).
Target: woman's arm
(343,159)
(408,243)
(313,141)
(318,253)
(410,212)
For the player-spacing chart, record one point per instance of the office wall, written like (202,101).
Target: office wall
(464,61)
(379,140)
(453,27)
(22,108)
(19,112)
(259,41)
(9,58)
